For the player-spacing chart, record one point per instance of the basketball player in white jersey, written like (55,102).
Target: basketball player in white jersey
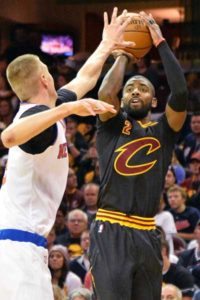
(37,167)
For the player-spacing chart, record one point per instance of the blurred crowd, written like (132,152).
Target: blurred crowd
(178,217)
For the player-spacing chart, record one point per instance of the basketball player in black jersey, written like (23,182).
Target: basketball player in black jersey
(134,155)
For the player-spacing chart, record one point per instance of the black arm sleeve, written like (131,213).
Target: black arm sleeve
(42,141)
(64,96)
(175,77)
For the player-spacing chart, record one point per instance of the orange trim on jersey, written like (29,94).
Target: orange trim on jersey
(145,125)
(122,219)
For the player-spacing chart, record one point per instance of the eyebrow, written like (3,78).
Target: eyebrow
(141,83)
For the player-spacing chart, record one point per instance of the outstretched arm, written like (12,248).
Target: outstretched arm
(177,104)
(26,128)
(112,82)
(112,37)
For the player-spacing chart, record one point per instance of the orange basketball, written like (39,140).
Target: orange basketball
(138,32)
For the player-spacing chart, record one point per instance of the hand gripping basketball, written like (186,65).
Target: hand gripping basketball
(137,31)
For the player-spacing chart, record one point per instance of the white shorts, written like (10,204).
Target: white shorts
(24,273)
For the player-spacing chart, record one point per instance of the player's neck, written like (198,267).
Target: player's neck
(42,98)
(146,119)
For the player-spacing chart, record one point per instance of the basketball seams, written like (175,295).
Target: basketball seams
(127,31)
(138,32)
(137,49)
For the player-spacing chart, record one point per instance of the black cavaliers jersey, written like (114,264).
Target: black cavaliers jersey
(133,159)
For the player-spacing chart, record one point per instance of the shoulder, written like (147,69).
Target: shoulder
(72,277)
(186,253)
(65,95)
(30,109)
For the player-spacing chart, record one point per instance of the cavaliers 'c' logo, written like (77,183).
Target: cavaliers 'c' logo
(128,150)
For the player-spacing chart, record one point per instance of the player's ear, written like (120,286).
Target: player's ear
(154,102)
(43,80)
(122,102)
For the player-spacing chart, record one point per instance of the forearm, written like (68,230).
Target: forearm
(26,128)
(175,78)
(186,236)
(113,80)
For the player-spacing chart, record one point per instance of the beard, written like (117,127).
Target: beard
(139,113)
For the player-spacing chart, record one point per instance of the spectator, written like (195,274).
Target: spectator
(59,224)
(195,201)
(58,293)
(171,292)
(185,217)
(80,294)
(73,197)
(77,222)
(165,220)
(90,194)
(196,295)
(58,265)
(192,182)
(6,117)
(74,251)
(170,180)
(76,143)
(51,238)
(177,275)
(190,259)
(191,143)
(93,176)
(87,164)
(81,264)
(87,128)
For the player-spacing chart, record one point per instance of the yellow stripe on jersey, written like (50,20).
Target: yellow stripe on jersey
(122,219)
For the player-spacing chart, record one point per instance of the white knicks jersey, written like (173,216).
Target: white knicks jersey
(34,185)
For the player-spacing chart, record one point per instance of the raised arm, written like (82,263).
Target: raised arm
(177,103)
(112,83)
(112,37)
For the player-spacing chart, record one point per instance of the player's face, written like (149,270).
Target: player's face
(56,260)
(138,97)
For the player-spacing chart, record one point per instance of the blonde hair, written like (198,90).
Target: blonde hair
(177,188)
(22,74)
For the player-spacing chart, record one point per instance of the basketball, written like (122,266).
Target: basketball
(138,32)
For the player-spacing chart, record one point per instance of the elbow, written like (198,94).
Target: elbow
(7,139)
(105,94)
(181,95)
(182,91)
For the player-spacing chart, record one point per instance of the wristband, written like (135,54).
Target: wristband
(124,54)
(159,42)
